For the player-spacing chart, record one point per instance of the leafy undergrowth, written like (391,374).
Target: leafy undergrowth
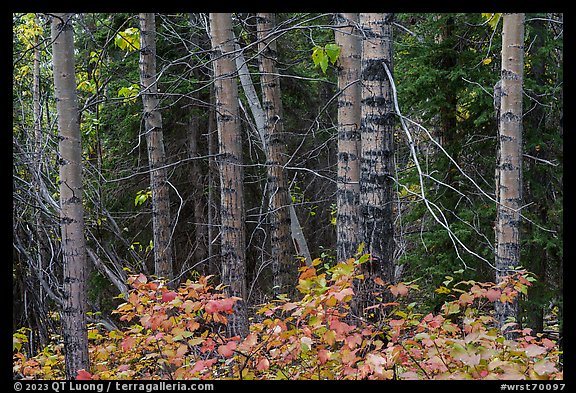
(178,334)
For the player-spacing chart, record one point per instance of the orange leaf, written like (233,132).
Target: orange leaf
(343,293)
(399,290)
(310,272)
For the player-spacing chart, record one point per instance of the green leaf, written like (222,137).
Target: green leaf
(360,248)
(493,18)
(120,42)
(333,52)
(128,39)
(317,54)
(320,58)
(324,63)
(184,334)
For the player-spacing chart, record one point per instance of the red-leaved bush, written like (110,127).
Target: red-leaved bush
(179,334)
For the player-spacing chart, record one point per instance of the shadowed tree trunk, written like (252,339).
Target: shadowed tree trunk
(156,154)
(197,178)
(349,112)
(510,162)
(284,267)
(233,243)
(72,211)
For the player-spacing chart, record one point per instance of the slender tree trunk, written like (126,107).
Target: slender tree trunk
(233,243)
(36,102)
(376,153)
(349,112)
(197,178)
(537,256)
(284,268)
(213,257)
(448,113)
(156,154)
(510,165)
(72,212)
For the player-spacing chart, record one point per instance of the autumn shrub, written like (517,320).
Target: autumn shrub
(179,334)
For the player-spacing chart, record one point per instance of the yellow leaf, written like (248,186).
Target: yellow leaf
(487,60)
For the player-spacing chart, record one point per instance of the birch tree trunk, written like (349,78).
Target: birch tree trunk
(510,162)
(155,144)
(284,268)
(349,112)
(376,154)
(233,243)
(72,211)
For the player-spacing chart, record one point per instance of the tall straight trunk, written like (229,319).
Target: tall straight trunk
(72,212)
(349,113)
(155,144)
(233,243)
(510,152)
(448,111)
(197,178)
(376,152)
(537,256)
(284,268)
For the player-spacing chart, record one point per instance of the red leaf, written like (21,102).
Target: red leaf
(534,350)
(397,322)
(169,296)
(340,327)
(492,294)
(208,345)
(226,304)
(548,343)
(83,375)
(211,306)
(263,364)
(323,355)
(128,343)
(228,349)
(202,365)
